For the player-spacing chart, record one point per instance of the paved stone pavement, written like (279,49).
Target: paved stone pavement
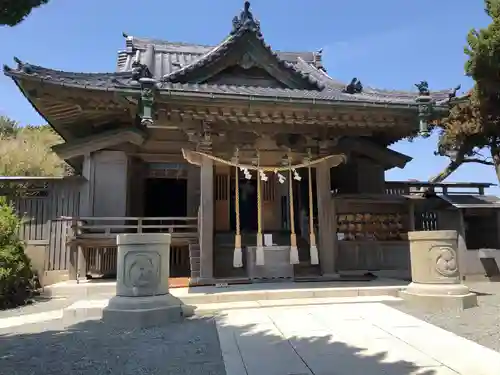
(330,339)
(480,324)
(345,339)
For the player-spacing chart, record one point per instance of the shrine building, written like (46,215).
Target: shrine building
(245,154)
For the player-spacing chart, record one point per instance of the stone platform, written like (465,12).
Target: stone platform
(202,300)
(232,293)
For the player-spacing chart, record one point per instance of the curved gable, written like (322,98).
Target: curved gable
(244,49)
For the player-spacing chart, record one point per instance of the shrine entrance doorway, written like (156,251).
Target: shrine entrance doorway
(166,199)
(248,205)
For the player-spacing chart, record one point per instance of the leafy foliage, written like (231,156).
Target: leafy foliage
(25,151)
(17,280)
(13,12)
(473,123)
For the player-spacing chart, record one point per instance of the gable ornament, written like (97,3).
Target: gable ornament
(245,21)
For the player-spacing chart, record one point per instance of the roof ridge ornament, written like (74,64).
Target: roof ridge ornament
(423,88)
(245,21)
(22,66)
(355,87)
(140,70)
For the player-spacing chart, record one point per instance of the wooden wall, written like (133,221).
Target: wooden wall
(222,194)
(43,230)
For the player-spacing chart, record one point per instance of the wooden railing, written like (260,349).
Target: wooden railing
(102,231)
(416,187)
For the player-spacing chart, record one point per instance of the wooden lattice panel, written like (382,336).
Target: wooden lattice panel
(221,197)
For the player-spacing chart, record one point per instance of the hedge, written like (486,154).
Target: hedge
(17,280)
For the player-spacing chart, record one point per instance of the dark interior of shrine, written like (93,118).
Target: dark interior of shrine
(165,197)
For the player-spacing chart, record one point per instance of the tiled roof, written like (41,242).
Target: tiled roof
(173,63)
(472,201)
(171,56)
(333,91)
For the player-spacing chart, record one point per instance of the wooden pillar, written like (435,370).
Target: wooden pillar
(87,188)
(497,218)
(411,216)
(462,245)
(207,219)
(193,190)
(326,223)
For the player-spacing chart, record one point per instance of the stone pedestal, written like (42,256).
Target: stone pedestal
(436,281)
(142,298)
(276,264)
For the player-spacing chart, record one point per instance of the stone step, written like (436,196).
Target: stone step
(83,289)
(194,263)
(194,259)
(235,293)
(92,308)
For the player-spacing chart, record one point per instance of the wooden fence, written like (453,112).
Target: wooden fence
(96,237)
(39,205)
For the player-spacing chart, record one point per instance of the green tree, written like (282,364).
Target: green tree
(17,280)
(13,12)
(25,151)
(8,127)
(472,128)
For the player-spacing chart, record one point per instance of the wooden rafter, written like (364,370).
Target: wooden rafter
(99,141)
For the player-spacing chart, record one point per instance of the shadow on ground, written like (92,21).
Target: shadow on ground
(191,347)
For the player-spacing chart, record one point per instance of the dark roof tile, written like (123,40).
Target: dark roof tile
(333,91)
(171,57)
(170,62)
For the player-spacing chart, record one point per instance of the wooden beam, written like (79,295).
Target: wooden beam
(386,156)
(160,158)
(164,145)
(96,142)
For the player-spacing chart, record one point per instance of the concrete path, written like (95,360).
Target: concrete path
(345,339)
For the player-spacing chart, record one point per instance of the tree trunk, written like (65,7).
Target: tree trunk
(495,155)
(455,162)
(445,173)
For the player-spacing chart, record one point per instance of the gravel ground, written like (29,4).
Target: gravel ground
(91,348)
(480,324)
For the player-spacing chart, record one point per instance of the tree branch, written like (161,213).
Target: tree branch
(479,161)
(450,168)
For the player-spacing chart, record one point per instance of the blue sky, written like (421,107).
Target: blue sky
(386,43)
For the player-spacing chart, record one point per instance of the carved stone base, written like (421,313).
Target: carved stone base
(439,296)
(141,312)
(142,298)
